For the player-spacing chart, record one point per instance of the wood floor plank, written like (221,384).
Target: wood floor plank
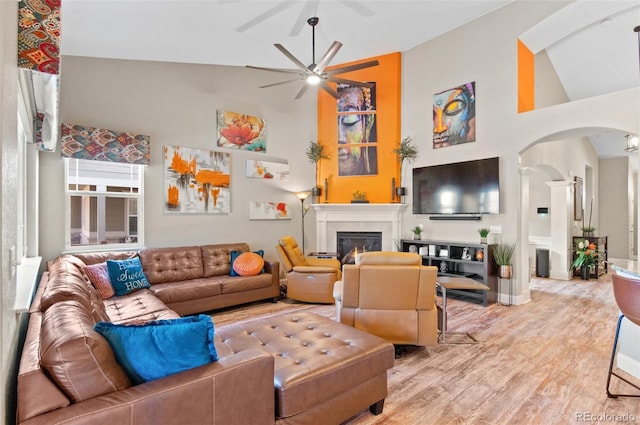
(543,362)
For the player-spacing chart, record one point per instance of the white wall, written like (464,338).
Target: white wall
(176,104)
(614,201)
(8,204)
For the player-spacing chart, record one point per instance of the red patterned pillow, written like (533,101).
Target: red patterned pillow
(248,264)
(99,277)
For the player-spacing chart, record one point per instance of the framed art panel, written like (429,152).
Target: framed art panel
(239,131)
(578,199)
(267,170)
(454,116)
(196,181)
(259,210)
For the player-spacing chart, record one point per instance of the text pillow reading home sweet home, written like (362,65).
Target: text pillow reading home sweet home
(127,275)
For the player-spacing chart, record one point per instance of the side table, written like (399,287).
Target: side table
(456,283)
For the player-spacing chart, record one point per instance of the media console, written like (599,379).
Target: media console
(449,258)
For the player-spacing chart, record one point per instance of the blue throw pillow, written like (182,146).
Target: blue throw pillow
(127,275)
(162,347)
(235,254)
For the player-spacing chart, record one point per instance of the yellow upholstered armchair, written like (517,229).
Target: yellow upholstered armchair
(309,279)
(391,295)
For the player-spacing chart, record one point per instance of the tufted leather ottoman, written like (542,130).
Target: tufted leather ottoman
(325,372)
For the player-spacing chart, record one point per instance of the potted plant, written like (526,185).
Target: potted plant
(484,232)
(586,256)
(417,231)
(503,254)
(315,153)
(406,151)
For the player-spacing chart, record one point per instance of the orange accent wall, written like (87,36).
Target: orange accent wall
(387,76)
(526,83)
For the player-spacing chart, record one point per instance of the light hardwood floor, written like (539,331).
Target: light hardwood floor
(544,362)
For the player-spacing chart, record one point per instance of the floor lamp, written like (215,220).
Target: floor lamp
(302,196)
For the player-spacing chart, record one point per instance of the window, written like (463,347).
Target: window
(104,204)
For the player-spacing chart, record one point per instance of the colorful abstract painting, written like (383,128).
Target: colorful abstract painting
(239,131)
(260,210)
(196,181)
(454,116)
(39,35)
(357,130)
(267,170)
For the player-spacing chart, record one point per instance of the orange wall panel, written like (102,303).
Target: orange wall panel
(526,81)
(387,76)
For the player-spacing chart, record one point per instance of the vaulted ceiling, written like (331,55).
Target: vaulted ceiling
(591,43)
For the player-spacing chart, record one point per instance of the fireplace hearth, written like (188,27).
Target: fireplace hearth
(352,243)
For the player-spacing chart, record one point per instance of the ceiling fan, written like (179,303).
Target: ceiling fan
(315,74)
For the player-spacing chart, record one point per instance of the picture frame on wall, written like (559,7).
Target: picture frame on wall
(578,199)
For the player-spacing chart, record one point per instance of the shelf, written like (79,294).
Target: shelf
(483,271)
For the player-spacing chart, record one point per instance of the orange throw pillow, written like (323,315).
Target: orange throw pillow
(248,264)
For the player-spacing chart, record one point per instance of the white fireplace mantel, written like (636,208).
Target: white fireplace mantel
(331,218)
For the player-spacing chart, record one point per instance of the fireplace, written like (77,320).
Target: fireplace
(351,243)
(334,218)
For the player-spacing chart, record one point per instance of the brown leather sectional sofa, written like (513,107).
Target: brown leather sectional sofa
(320,369)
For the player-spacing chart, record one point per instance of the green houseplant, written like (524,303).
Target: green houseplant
(503,255)
(316,153)
(417,231)
(484,232)
(406,151)
(586,256)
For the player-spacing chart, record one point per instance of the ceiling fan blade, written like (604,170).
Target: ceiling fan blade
(281,6)
(286,71)
(303,89)
(280,83)
(309,9)
(291,57)
(350,68)
(328,56)
(349,82)
(358,6)
(326,87)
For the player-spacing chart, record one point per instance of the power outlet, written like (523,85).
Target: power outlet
(495,229)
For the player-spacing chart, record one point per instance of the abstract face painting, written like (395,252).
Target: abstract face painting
(357,150)
(454,116)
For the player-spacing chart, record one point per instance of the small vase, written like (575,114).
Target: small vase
(584,272)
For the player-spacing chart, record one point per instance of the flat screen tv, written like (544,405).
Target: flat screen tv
(470,187)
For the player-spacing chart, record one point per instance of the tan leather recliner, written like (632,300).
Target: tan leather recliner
(391,295)
(309,279)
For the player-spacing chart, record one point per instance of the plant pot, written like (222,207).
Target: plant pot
(416,237)
(483,240)
(504,271)
(584,272)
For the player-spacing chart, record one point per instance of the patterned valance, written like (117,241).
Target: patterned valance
(105,145)
(39,35)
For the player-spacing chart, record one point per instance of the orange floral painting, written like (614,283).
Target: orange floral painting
(239,131)
(196,181)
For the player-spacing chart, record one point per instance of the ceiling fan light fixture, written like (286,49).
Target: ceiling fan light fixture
(313,79)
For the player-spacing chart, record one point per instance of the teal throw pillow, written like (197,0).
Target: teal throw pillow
(235,254)
(127,275)
(160,348)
